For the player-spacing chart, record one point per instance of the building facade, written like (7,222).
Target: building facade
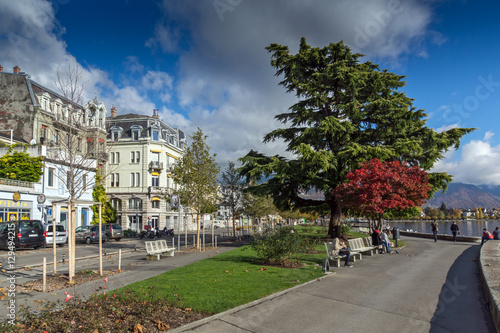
(142,151)
(71,137)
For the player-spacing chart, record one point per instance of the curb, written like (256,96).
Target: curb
(489,272)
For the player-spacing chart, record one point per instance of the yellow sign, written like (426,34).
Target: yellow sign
(16,196)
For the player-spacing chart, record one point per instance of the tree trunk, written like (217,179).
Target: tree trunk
(335,217)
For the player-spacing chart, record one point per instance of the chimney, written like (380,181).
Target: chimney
(113,111)
(155,113)
(1,68)
(17,70)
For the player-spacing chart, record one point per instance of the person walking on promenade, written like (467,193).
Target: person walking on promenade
(486,236)
(435,230)
(454,230)
(339,248)
(496,233)
(385,240)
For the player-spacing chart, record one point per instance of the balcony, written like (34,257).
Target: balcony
(155,166)
(161,190)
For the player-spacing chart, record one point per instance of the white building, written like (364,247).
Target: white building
(142,151)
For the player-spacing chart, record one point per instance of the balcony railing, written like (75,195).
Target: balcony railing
(158,190)
(13,182)
(154,165)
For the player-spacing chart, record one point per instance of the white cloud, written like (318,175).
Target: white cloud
(478,163)
(225,80)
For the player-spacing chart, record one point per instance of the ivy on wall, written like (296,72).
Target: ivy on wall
(21,166)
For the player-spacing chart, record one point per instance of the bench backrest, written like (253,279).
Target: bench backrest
(356,243)
(162,244)
(149,247)
(368,241)
(328,248)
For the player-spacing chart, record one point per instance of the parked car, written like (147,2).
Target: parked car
(113,231)
(22,234)
(89,234)
(61,235)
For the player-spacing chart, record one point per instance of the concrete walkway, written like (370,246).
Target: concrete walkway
(428,287)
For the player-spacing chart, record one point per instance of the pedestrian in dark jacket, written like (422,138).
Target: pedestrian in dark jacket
(435,230)
(376,240)
(454,230)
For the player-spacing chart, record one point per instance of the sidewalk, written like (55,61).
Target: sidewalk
(141,271)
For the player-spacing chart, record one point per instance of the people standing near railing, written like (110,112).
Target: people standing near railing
(435,230)
(454,230)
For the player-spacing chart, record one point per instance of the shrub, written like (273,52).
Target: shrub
(344,229)
(280,246)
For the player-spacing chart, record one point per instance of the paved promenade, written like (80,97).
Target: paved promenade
(428,287)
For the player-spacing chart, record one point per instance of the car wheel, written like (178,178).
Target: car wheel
(117,239)
(60,245)
(36,247)
(88,240)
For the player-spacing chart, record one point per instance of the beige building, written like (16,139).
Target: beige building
(142,150)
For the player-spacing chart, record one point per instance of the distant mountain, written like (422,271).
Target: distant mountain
(461,195)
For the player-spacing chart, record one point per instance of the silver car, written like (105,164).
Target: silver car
(89,234)
(61,235)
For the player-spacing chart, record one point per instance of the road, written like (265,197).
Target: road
(428,287)
(28,262)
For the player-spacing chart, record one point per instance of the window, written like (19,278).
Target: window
(56,137)
(135,135)
(155,203)
(115,158)
(50,177)
(135,203)
(115,179)
(155,157)
(79,145)
(90,145)
(135,157)
(69,179)
(116,204)
(155,135)
(114,136)
(135,180)
(44,131)
(155,180)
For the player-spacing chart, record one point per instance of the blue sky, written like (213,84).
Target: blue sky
(202,63)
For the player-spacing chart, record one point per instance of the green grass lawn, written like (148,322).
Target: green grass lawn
(224,281)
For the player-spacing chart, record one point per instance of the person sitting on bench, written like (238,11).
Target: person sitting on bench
(339,248)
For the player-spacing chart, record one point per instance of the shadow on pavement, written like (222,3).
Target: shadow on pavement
(462,286)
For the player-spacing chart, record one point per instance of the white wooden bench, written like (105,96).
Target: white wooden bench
(159,248)
(336,258)
(369,243)
(358,245)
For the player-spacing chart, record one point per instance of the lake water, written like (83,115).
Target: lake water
(467,228)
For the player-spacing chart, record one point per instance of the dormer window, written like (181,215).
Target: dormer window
(155,135)
(135,132)
(116,133)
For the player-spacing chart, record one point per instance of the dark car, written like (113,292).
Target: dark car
(113,231)
(22,234)
(89,234)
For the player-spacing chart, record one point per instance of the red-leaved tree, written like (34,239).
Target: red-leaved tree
(379,187)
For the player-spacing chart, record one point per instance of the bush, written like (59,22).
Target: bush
(344,229)
(280,246)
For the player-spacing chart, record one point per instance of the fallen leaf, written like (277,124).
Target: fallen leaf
(138,328)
